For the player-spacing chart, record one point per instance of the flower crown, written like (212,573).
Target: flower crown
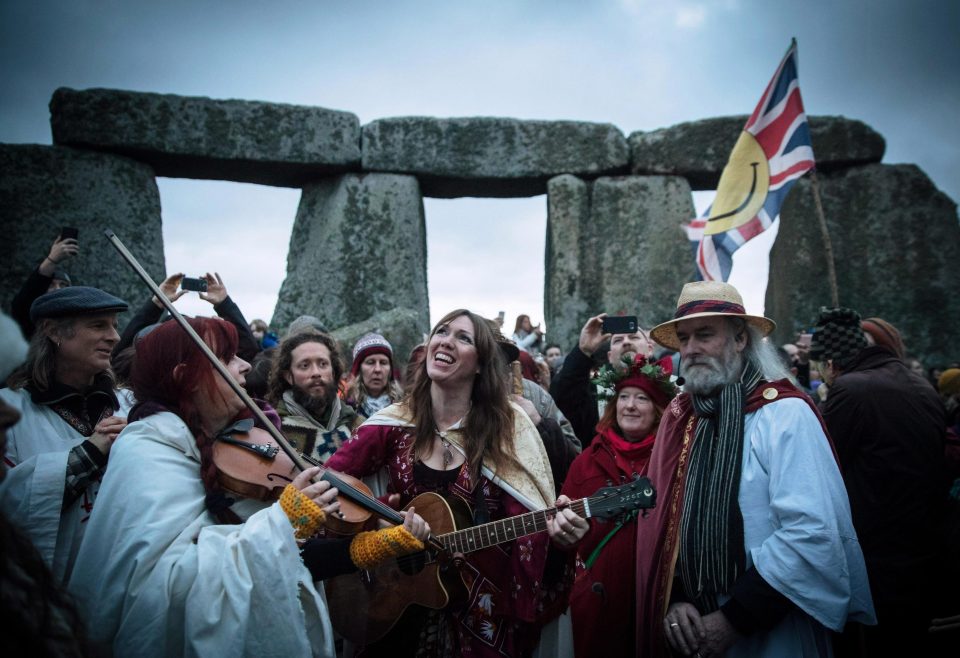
(656,372)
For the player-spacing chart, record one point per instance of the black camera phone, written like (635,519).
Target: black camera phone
(68,232)
(197,285)
(620,324)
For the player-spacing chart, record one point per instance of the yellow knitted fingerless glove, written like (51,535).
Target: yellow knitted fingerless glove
(305,516)
(369,549)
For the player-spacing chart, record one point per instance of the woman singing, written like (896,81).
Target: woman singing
(457,434)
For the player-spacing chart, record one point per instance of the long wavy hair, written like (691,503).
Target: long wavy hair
(40,368)
(156,387)
(488,427)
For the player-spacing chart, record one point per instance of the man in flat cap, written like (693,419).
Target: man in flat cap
(70,416)
(888,425)
(750,550)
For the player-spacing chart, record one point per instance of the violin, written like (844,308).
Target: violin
(271,476)
(252,465)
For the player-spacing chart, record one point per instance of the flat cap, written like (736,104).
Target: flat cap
(75,300)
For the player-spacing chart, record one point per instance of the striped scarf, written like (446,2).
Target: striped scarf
(712,555)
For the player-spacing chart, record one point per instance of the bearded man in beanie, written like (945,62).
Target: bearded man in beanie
(303,386)
(751,550)
(888,426)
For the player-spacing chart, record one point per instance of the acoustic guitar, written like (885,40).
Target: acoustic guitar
(365,605)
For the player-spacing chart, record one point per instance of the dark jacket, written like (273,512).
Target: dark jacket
(888,426)
(35,285)
(576,396)
(149,313)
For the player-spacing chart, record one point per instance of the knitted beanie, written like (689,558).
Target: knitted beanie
(885,335)
(837,336)
(367,345)
(306,323)
(949,382)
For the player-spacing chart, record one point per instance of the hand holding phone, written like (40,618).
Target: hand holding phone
(64,247)
(620,324)
(197,284)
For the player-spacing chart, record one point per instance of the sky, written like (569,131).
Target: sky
(639,64)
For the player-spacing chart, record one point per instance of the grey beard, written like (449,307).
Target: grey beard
(315,405)
(700,380)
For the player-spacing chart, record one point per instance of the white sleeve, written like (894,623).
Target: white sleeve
(812,555)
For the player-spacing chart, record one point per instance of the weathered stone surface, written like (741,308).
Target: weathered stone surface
(43,188)
(699,150)
(193,137)
(896,244)
(358,248)
(614,245)
(491,157)
(401,326)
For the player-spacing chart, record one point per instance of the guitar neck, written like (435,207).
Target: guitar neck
(500,532)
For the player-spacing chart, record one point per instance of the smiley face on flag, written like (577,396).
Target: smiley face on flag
(743,187)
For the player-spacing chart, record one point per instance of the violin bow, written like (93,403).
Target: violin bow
(370,503)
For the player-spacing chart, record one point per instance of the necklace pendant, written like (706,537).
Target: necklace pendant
(447,455)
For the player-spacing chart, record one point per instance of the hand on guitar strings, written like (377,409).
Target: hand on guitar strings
(415,524)
(566,529)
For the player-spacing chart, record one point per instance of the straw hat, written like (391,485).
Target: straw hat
(703,299)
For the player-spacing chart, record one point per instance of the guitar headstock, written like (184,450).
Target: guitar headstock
(609,502)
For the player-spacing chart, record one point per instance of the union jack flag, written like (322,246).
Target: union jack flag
(773,151)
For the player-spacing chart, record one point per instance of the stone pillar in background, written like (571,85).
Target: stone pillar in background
(896,243)
(43,188)
(614,245)
(358,248)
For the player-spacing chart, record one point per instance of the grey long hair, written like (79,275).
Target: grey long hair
(761,352)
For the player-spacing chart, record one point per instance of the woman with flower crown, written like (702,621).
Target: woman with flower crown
(602,601)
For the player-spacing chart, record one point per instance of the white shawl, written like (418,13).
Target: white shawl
(158,578)
(31,495)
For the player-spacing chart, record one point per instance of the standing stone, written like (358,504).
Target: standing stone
(490,156)
(896,243)
(192,137)
(614,245)
(358,248)
(699,150)
(44,188)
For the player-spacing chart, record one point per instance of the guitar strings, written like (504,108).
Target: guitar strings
(447,539)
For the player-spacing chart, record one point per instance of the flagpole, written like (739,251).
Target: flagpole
(825,234)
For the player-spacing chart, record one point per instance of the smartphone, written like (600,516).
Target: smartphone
(68,232)
(189,283)
(620,324)
(500,316)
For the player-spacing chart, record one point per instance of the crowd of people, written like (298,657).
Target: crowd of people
(806,495)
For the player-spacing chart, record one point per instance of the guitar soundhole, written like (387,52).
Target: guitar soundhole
(412,564)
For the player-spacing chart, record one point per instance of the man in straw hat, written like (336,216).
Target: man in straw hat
(751,550)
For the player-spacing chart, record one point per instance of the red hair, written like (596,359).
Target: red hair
(154,384)
(168,346)
(528,367)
